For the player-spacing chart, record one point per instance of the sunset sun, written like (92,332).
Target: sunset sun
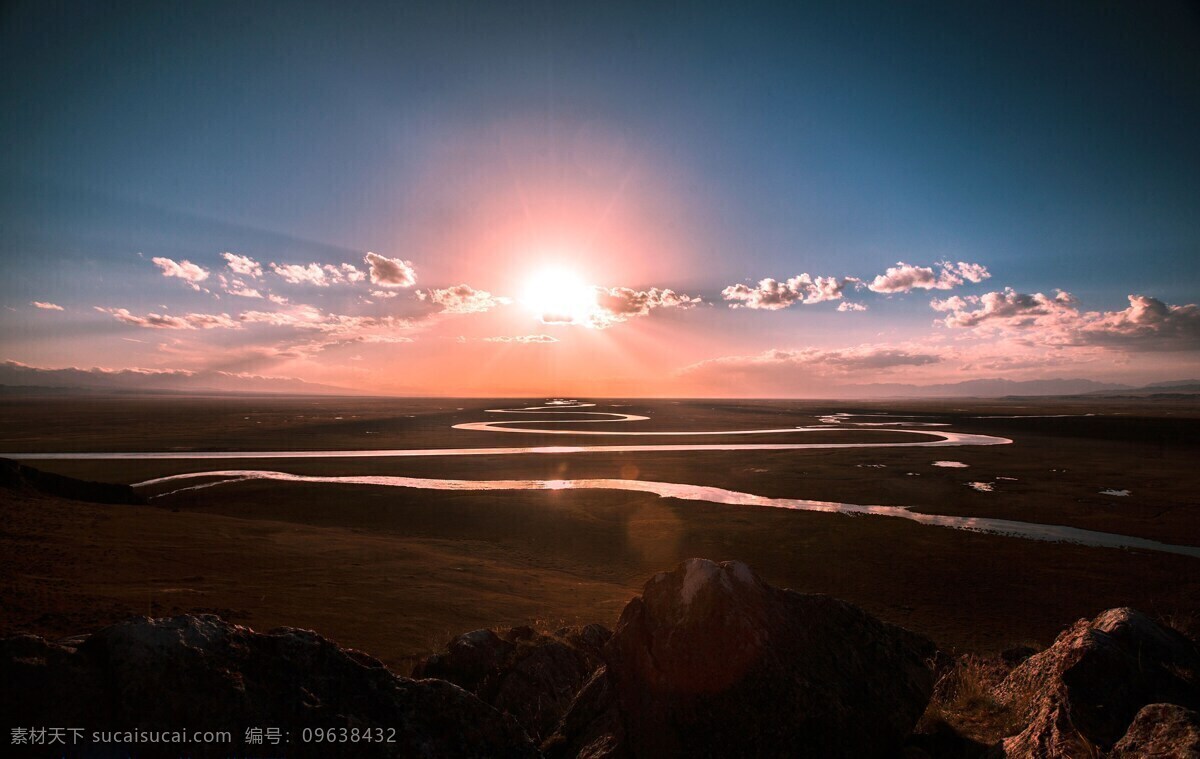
(559,295)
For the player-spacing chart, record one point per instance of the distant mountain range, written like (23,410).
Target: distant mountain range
(15,376)
(998,388)
(18,376)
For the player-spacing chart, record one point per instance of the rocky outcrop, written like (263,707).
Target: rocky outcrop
(712,661)
(199,672)
(1083,692)
(532,676)
(709,661)
(1167,731)
(17,476)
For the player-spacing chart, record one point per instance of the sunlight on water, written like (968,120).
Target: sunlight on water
(685,492)
(1028,530)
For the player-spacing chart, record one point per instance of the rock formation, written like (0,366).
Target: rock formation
(532,676)
(201,673)
(709,661)
(1161,730)
(712,661)
(1083,692)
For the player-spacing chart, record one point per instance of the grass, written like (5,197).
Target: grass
(963,707)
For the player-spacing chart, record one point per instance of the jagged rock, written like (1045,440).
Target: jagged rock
(1017,655)
(534,677)
(17,476)
(1166,731)
(712,661)
(468,660)
(199,672)
(1083,691)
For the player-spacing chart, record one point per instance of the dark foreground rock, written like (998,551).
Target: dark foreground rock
(201,673)
(712,661)
(1082,694)
(532,676)
(17,476)
(1161,730)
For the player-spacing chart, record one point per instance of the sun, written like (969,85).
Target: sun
(559,296)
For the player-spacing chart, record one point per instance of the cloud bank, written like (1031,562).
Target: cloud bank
(770,294)
(1147,324)
(168,321)
(903,277)
(321,275)
(461,299)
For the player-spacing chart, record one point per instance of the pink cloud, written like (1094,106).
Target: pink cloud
(807,370)
(305,317)
(185,270)
(520,339)
(823,361)
(618,304)
(167,321)
(243,265)
(46,306)
(237,287)
(1147,324)
(770,294)
(903,277)
(390,272)
(462,299)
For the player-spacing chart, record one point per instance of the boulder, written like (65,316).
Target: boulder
(1167,731)
(712,661)
(201,673)
(1083,692)
(532,676)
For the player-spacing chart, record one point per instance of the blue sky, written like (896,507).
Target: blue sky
(1051,143)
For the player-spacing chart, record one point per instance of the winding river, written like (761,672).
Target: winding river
(932,438)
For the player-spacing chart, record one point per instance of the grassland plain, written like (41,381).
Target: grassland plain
(397,571)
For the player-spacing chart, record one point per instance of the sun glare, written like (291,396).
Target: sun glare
(559,295)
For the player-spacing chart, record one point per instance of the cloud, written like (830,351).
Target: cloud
(237,287)
(185,270)
(16,373)
(278,300)
(384,293)
(305,317)
(805,370)
(46,306)
(848,306)
(298,274)
(821,361)
(167,321)
(1147,324)
(390,272)
(350,272)
(903,277)
(772,295)
(602,307)
(520,339)
(321,275)
(462,299)
(243,265)
(1008,308)
(614,305)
